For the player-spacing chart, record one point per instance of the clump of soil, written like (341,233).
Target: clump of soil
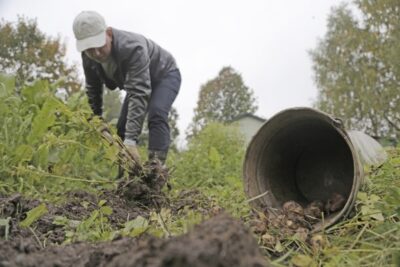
(221,241)
(145,187)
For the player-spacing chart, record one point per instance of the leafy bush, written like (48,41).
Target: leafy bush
(214,157)
(212,164)
(47,144)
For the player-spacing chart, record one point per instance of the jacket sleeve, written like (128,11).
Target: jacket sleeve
(138,89)
(94,87)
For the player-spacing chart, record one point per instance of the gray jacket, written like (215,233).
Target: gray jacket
(141,63)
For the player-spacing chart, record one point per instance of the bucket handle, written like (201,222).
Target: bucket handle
(338,122)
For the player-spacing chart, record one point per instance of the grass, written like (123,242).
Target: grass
(370,238)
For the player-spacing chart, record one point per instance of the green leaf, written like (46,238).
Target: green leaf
(136,227)
(138,231)
(6,224)
(378,216)
(64,221)
(302,261)
(279,247)
(374,198)
(41,157)
(43,120)
(23,153)
(159,233)
(214,157)
(85,204)
(102,202)
(36,94)
(54,155)
(111,152)
(7,85)
(362,196)
(61,220)
(106,210)
(85,225)
(33,215)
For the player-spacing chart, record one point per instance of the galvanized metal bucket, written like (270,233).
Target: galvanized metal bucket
(304,155)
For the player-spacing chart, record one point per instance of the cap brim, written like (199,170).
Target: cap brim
(91,42)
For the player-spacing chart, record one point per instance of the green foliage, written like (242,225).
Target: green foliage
(49,148)
(303,261)
(29,54)
(33,215)
(370,237)
(6,85)
(369,209)
(173,225)
(212,157)
(357,67)
(213,164)
(135,227)
(221,100)
(173,118)
(6,224)
(94,228)
(47,144)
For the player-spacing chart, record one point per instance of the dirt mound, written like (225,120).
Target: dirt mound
(220,241)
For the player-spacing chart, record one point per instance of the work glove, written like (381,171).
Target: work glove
(131,155)
(128,159)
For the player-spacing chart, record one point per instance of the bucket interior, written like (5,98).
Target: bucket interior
(304,160)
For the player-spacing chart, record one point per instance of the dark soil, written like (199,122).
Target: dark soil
(221,241)
(79,206)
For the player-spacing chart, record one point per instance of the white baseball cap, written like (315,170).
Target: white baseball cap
(90,30)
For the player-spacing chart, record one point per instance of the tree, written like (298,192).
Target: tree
(29,54)
(221,100)
(173,125)
(357,67)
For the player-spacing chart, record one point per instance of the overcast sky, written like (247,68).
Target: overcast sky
(267,41)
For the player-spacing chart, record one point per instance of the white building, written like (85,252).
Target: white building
(248,124)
